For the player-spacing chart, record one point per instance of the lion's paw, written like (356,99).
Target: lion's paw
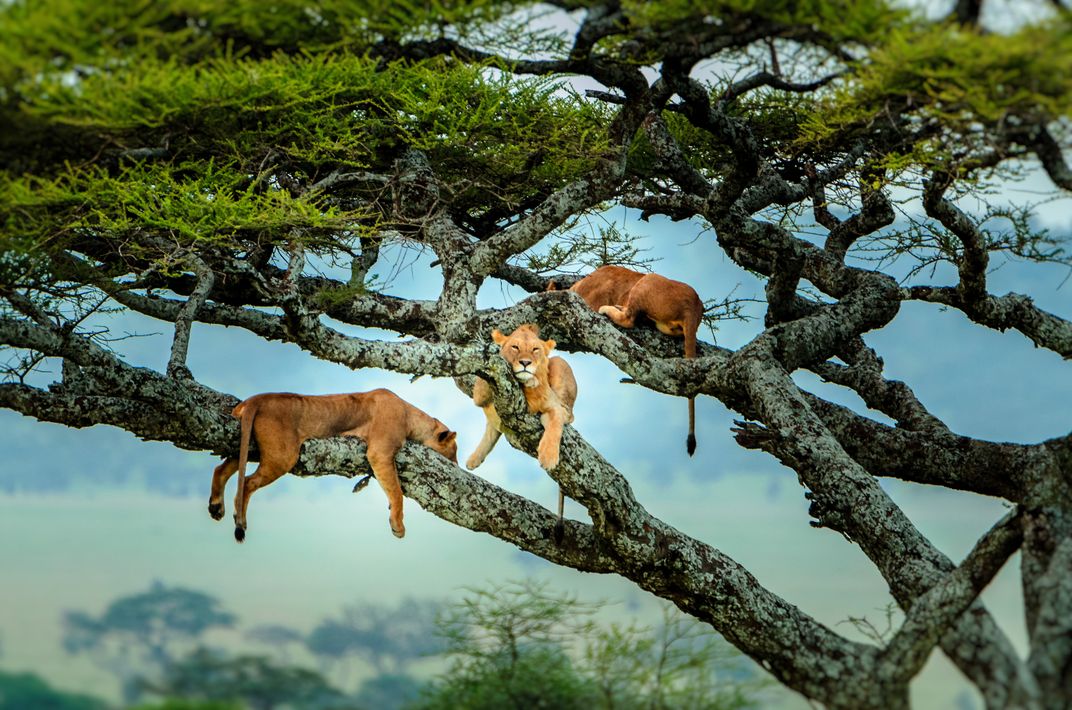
(548,459)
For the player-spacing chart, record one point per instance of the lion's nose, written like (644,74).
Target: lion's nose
(525,363)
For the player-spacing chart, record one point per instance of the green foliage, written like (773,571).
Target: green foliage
(507,645)
(179,704)
(538,677)
(22,691)
(70,34)
(189,205)
(205,125)
(192,147)
(337,109)
(681,664)
(839,20)
(953,80)
(520,646)
(250,681)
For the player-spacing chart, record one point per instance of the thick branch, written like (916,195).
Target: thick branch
(893,398)
(1049,153)
(846,498)
(1013,310)
(934,612)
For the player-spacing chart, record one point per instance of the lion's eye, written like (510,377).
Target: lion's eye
(535,350)
(515,347)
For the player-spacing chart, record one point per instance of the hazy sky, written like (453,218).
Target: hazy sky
(123,513)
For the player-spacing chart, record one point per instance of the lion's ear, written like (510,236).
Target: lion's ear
(498,337)
(446,436)
(550,345)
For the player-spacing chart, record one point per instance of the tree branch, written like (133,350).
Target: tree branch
(935,611)
(1012,310)
(176,366)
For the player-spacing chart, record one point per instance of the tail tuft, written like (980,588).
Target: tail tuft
(239,534)
(690,444)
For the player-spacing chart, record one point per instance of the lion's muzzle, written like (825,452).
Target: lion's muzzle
(525,372)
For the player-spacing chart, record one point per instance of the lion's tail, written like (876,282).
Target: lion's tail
(245,412)
(691,326)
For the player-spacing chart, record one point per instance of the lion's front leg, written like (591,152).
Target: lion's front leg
(382,461)
(547,453)
(488,441)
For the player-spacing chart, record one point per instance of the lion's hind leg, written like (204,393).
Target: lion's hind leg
(279,453)
(623,316)
(267,472)
(220,476)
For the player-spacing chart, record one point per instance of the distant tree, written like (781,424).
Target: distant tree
(276,637)
(26,691)
(679,664)
(519,646)
(143,632)
(388,638)
(253,681)
(536,677)
(389,691)
(176,704)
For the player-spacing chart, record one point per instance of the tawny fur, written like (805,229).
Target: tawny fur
(282,422)
(625,296)
(550,391)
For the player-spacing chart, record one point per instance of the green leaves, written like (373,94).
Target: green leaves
(837,20)
(212,134)
(67,34)
(190,205)
(954,83)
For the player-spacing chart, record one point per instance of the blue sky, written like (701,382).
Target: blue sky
(95,514)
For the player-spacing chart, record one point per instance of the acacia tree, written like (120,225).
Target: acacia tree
(196,162)
(143,631)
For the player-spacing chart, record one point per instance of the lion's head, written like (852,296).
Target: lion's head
(525,352)
(444,441)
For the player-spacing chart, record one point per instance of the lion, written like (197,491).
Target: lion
(550,391)
(624,296)
(283,421)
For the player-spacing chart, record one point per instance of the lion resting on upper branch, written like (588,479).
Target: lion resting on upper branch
(625,296)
